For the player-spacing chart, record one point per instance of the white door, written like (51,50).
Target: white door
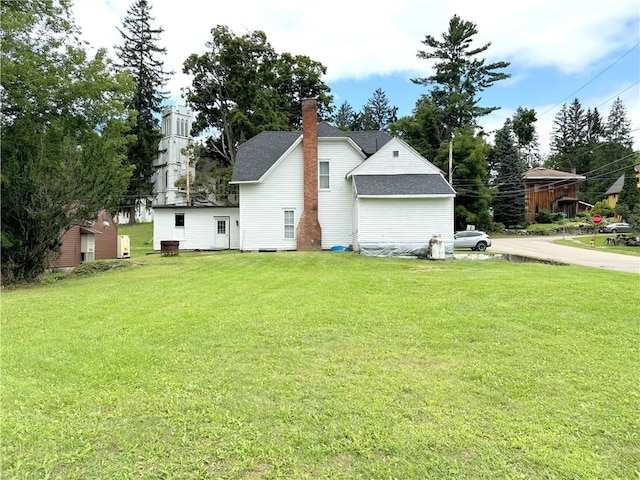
(221,235)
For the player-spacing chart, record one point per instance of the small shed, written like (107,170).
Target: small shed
(197,227)
(91,240)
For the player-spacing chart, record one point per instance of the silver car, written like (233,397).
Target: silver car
(618,227)
(473,239)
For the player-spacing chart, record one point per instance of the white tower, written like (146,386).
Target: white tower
(171,164)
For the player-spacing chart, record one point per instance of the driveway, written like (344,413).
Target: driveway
(544,248)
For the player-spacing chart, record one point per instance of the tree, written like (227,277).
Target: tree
(345,118)
(377,114)
(139,56)
(570,150)
(509,204)
(470,178)
(423,129)
(524,129)
(63,135)
(628,205)
(459,75)
(242,87)
(618,127)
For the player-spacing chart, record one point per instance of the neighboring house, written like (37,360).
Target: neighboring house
(551,190)
(92,240)
(196,228)
(327,188)
(614,190)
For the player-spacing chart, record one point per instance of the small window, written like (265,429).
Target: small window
(550,188)
(396,154)
(179,219)
(289,231)
(222,227)
(536,188)
(323,172)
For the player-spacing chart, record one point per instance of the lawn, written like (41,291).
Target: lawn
(322,365)
(584,241)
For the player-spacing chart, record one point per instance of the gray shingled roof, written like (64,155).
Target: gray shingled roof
(426,184)
(257,155)
(616,188)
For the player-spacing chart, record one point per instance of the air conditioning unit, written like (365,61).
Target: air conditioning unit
(123,248)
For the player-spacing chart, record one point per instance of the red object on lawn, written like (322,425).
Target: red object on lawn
(596,219)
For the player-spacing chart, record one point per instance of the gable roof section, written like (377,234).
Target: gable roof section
(395,157)
(258,154)
(616,188)
(402,185)
(541,173)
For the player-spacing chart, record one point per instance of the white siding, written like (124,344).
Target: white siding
(262,205)
(408,161)
(335,204)
(199,226)
(412,221)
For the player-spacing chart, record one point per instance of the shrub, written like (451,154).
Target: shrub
(544,216)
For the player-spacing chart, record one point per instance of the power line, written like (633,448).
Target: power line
(594,78)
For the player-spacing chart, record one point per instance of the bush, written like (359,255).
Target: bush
(544,216)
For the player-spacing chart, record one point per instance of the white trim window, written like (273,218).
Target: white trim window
(289,231)
(324,182)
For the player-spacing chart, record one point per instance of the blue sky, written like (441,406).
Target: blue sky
(555,47)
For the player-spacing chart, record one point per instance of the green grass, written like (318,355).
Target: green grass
(600,244)
(140,236)
(322,365)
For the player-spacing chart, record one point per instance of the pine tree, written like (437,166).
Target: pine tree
(377,114)
(459,75)
(509,205)
(344,118)
(139,57)
(628,206)
(618,128)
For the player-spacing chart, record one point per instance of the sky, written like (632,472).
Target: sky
(558,49)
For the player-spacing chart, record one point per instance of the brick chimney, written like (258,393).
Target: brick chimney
(309,235)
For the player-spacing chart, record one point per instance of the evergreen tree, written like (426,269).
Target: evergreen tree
(377,114)
(618,128)
(509,204)
(628,205)
(459,75)
(139,57)
(63,135)
(569,148)
(345,118)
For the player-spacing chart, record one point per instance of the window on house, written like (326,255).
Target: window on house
(323,172)
(289,231)
(396,154)
(222,227)
(536,188)
(179,219)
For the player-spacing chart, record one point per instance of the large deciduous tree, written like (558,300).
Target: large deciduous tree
(241,86)
(63,133)
(140,55)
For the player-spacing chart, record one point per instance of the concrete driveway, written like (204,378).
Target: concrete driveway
(544,248)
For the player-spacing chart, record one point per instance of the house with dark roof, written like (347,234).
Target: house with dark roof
(613,192)
(323,188)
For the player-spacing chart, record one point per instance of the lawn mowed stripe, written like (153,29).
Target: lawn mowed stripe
(300,365)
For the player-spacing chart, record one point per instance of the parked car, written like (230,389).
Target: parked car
(473,239)
(618,227)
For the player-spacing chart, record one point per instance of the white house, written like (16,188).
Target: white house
(197,227)
(326,188)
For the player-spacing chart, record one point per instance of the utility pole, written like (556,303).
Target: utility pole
(451,160)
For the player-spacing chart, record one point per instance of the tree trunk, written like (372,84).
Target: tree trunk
(132,214)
